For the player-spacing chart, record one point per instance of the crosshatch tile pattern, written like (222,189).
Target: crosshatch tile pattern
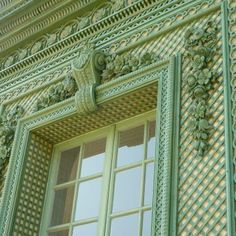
(202,181)
(33,187)
(138,102)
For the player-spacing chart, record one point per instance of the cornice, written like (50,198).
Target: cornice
(101,34)
(10,7)
(47,49)
(36,19)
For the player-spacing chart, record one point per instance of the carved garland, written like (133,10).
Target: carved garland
(8,122)
(57,93)
(118,65)
(200,45)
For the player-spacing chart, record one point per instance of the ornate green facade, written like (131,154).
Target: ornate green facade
(70,67)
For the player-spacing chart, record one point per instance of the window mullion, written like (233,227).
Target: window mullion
(111,182)
(143,179)
(76,189)
(104,212)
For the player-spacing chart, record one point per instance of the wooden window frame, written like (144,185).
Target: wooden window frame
(111,133)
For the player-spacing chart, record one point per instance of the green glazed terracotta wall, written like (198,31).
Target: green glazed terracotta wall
(37,59)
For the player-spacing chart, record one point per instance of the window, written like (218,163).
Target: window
(102,182)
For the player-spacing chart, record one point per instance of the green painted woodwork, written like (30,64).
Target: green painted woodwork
(146,64)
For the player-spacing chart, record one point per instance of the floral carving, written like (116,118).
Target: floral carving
(118,65)
(8,122)
(200,47)
(57,93)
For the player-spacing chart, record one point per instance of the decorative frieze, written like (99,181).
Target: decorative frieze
(80,24)
(200,45)
(8,122)
(62,32)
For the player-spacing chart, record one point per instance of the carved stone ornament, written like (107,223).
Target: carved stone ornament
(57,93)
(86,69)
(118,65)
(8,122)
(200,45)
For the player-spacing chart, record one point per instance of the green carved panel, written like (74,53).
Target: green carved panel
(137,39)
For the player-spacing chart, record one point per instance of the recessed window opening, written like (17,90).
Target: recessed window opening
(102,182)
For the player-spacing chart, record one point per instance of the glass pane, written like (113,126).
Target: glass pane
(60,233)
(151,140)
(68,165)
(88,200)
(127,189)
(85,230)
(130,146)
(125,226)
(93,158)
(149,183)
(147,223)
(62,206)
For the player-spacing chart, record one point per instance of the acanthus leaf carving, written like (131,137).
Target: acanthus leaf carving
(200,45)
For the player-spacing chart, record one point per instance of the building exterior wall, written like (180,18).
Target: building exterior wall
(169,43)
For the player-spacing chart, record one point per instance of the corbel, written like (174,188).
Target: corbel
(86,70)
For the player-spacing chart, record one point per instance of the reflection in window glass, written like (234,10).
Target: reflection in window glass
(125,226)
(62,206)
(151,140)
(88,200)
(85,230)
(60,233)
(149,183)
(68,165)
(147,223)
(127,189)
(93,158)
(131,148)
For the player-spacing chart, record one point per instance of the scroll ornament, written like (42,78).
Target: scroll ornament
(8,123)
(86,69)
(200,45)
(57,93)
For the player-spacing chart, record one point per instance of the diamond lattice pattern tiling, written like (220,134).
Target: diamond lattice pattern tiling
(202,184)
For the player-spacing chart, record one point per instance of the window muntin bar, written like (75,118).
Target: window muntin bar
(87,172)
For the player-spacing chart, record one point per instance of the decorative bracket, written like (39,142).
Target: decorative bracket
(86,70)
